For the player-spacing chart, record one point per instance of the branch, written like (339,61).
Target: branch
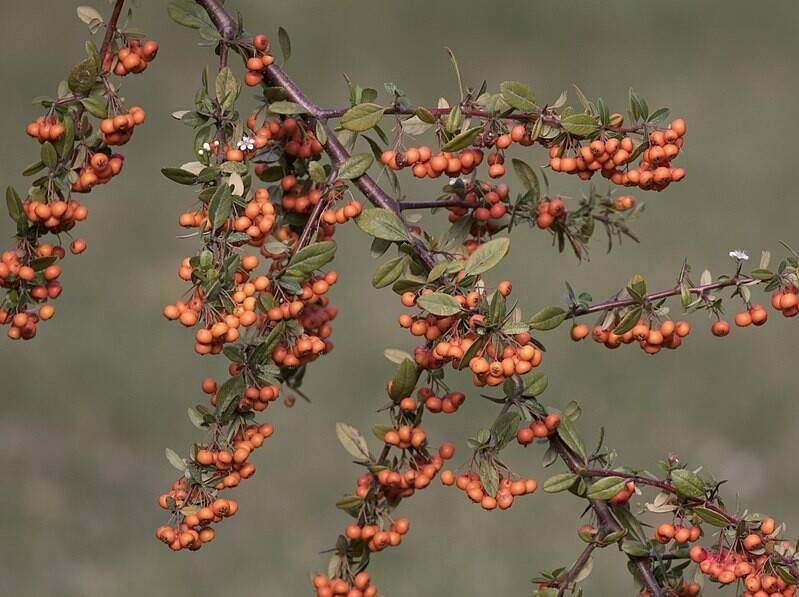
(580,562)
(111,27)
(654,296)
(605,515)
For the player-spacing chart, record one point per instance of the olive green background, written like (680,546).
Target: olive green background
(87,408)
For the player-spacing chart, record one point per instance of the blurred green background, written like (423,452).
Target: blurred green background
(88,407)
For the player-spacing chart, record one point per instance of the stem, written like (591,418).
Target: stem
(654,296)
(111,27)
(580,562)
(606,517)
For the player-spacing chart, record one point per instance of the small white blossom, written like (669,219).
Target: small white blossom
(200,152)
(207,146)
(216,142)
(740,255)
(246,144)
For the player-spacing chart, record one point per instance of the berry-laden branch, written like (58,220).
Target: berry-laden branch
(274,187)
(462,321)
(74,157)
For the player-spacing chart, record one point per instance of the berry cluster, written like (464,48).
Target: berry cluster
(217,466)
(54,217)
(488,204)
(195,530)
(377,539)
(748,561)
(538,429)
(119,129)
(651,339)
(786,301)
(360,587)
(509,489)
(258,63)
(132,58)
(254,398)
(46,129)
(653,172)
(423,163)
(100,169)
(448,403)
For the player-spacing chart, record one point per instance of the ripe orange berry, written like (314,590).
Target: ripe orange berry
(720,328)
(580,332)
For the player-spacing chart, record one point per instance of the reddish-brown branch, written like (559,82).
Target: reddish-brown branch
(654,296)
(111,27)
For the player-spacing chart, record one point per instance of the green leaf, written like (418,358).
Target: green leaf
(440,304)
(604,111)
(486,256)
(454,120)
(489,477)
(635,549)
(580,125)
(425,115)
(228,395)
(504,429)
(355,166)
(313,257)
(179,175)
(33,168)
(515,327)
(286,108)
(389,272)
(285,44)
(629,321)
(534,384)
(353,441)
(49,155)
(518,95)
(762,274)
(463,140)
(220,205)
(712,517)
(404,380)
(362,117)
(547,319)
(228,88)
(688,483)
(658,116)
(638,107)
(528,177)
(349,502)
(14,203)
(175,460)
(83,76)
(568,433)
(317,172)
(382,224)
(606,488)
(95,106)
(559,482)
(189,14)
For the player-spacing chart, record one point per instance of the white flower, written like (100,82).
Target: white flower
(246,144)
(200,152)
(739,255)
(206,146)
